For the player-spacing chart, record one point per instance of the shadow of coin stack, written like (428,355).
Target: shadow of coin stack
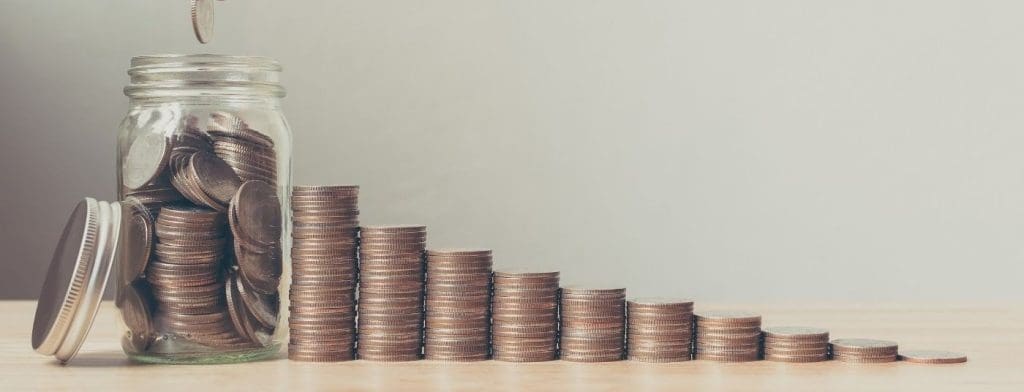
(457,306)
(659,329)
(593,324)
(795,344)
(323,290)
(525,316)
(728,336)
(390,320)
(864,350)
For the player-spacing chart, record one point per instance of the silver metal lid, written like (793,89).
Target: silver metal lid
(77,278)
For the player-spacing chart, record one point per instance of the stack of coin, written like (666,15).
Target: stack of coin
(458,299)
(525,315)
(593,324)
(204,179)
(795,344)
(250,153)
(728,336)
(659,329)
(864,350)
(391,292)
(186,276)
(325,233)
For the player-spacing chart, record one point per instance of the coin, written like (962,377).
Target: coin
(458,287)
(202,20)
(391,289)
(135,312)
(146,159)
(323,273)
(214,176)
(727,336)
(864,350)
(259,270)
(593,323)
(932,356)
(255,214)
(136,239)
(659,329)
(795,344)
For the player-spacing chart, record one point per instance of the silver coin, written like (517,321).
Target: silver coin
(146,159)
(202,20)
(136,239)
(135,311)
(214,176)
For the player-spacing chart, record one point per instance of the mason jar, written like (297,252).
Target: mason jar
(197,244)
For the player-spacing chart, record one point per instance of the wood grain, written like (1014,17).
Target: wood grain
(991,335)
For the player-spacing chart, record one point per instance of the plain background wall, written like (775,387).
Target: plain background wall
(725,151)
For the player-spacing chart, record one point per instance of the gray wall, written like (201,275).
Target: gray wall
(727,150)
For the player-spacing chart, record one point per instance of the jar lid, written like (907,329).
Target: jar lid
(77,278)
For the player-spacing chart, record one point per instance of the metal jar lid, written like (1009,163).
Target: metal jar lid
(77,278)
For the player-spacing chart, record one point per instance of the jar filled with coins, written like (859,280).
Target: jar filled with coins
(204,157)
(196,245)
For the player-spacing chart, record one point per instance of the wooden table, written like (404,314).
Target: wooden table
(991,335)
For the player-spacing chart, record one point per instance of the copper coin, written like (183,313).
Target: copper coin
(214,176)
(932,356)
(258,212)
(135,311)
(136,239)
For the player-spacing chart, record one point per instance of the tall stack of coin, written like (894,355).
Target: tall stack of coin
(593,324)
(525,315)
(324,240)
(659,329)
(185,276)
(728,336)
(458,299)
(795,344)
(391,292)
(864,350)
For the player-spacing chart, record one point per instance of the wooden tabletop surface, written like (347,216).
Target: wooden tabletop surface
(991,335)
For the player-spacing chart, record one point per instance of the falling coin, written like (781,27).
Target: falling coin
(202,20)
(932,356)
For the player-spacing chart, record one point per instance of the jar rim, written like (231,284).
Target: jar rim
(198,75)
(172,60)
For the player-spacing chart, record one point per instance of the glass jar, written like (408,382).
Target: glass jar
(204,158)
(197,245)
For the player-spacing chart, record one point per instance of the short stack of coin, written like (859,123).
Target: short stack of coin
(391,292)
(458,299)
(727,336)
(795,344)
(593,324)
(324,247)
(659,329)
(524,310)
(249,153)
(185,276)
(864,350)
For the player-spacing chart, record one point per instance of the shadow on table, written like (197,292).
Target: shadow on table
(100,359)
